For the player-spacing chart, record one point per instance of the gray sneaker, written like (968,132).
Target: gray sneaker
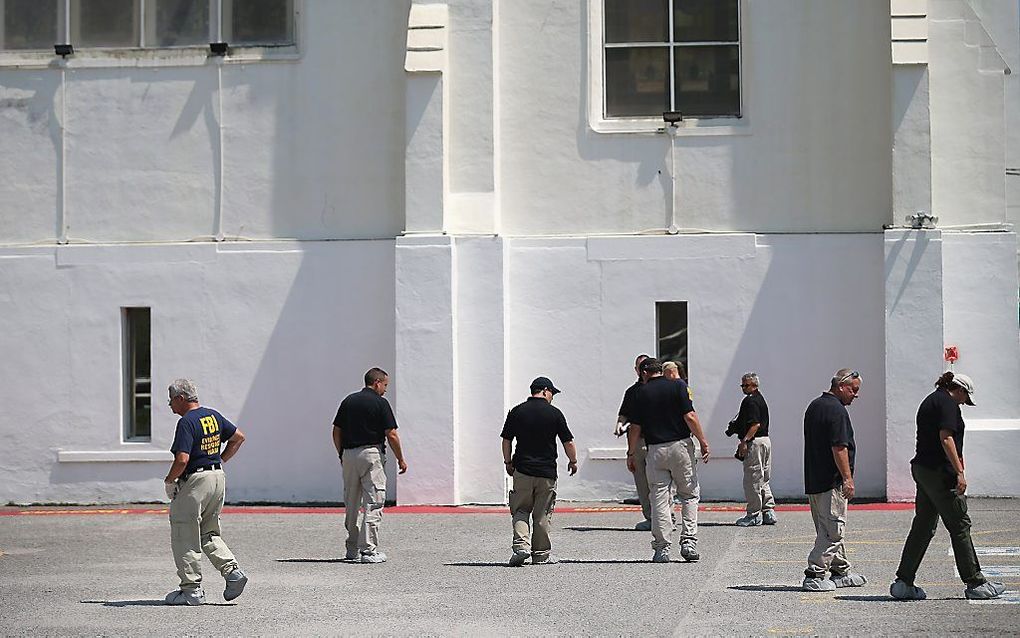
(519,557)
(749,520)
(661,556)
(848,579)
(768,517)
(985,591)
(547,560)
(689,552)
(193,597)
(353,554)
(373,557)
(644,526)
(812,583)
(902,591)
(236,580)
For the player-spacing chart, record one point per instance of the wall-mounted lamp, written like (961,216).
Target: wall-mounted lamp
(63,50)
(218,48)
(921,219)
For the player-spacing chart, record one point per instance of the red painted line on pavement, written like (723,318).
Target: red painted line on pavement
(410,509)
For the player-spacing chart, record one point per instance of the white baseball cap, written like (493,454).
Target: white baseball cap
(967,384)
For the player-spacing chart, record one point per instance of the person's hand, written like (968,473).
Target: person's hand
(509,468)
(961,484)
(402,466)
(171,489)
(705,451)
(620,429)
(848,489)
(572,467)
(742,450)
(630,463)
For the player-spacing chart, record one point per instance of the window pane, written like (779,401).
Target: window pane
(637,81)
(708,80)
(705,21)
(636,20)
(137,373)
(30,24)
(107,23)
(262,22)
(182,22)
(671,331)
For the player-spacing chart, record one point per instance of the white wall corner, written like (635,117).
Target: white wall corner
(911,141)
(913,343)
(427,38)
(426,406)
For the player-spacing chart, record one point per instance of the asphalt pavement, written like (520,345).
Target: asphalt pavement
(105,571)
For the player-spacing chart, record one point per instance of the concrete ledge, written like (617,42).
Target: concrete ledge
(113,456)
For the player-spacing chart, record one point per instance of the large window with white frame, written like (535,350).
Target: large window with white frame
(36,25)
(670,55)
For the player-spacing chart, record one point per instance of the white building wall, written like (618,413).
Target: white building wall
(275,335)
(812,153)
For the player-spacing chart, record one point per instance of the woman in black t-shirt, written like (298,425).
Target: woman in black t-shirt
(938,471)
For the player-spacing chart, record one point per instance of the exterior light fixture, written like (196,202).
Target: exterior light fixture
(218,48)
(63,50)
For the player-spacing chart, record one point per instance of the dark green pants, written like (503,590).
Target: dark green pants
(936,497)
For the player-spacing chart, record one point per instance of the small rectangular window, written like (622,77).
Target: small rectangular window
(137,374)
(671,332)
(258,22)
(28,24)
(105,23)
(177,23)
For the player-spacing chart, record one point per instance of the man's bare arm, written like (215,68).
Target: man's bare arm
(394,440)
(842,458)
(233,443)
(695,425)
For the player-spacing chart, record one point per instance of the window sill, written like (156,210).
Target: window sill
(141,58)
(114,456)
(687,128)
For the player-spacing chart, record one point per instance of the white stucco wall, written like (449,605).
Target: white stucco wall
(275,334)
(812,154)
(300,148)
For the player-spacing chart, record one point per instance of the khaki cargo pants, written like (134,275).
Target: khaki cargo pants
(828,511)
(757,472)
(195,527)
(532,499)
(673,464)
(364,496)
(641,480)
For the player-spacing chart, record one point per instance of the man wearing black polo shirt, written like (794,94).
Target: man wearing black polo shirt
(829,453)
(535,424)
(666,419)
(755,449)
(363,424)
(938,471)
(627,410)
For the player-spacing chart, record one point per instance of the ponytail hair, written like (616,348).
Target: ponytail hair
(945,381)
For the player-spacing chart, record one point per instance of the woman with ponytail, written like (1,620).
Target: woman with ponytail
(938,471)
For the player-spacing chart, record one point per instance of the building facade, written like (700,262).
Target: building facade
(474,193)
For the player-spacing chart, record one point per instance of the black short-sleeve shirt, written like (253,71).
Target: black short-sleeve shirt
(753,409)
(661,406)
(535,424)
(201,433)
(826,425)
(364,417)
(937,412)
(628,408)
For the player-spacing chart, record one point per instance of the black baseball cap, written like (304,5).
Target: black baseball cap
(543,383)
(651,364)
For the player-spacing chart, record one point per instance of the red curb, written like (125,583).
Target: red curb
(408,509)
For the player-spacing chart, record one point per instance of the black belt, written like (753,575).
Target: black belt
(204,468)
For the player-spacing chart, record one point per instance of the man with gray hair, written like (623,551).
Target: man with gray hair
(196,486)
(829,455)
(755,450)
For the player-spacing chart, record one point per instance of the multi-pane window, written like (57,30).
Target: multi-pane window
(98,24)
(671,55)
(137,373)
(671,332)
